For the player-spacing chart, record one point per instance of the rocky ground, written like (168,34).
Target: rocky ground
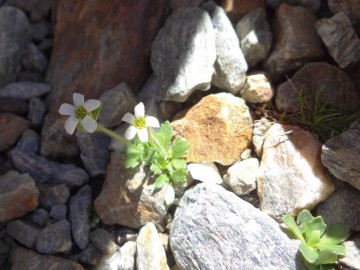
(67,202)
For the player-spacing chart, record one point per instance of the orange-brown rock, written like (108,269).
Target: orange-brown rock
(99,44)
(235,9)
(218,129)
(11,128)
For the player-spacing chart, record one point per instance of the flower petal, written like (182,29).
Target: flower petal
(92,104)
(89,124)
(78,99)
(128,118)
(71,124)
(151,121)
(139,110)
(130,133)
(143,135)
(67,109)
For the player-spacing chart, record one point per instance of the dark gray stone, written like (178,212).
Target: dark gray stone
(29,142)
(94,152)
(52,195)
(34,59)
(90,255)
(23,232)
(13,105)
(59,211)
(30,76)
(24,90)
(37,111)
(313,5)
(40,30)
(55,238)
(14,36)
(39,217)
(215,229)
(80,205)
(103,240)
(45,171)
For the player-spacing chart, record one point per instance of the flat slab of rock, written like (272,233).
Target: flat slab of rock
(218,129)
(215,229)
(291,176)
(183,54)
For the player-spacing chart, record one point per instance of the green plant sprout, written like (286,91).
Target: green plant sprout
(321,245)
(158,150)
(319,117)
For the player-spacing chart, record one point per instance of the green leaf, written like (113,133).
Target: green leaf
(326,257)
(313,237)
(178,177)
(179,148)
(303,219)
(160,182)
(166,131)
(316,223)
(292,226)
(308,253)
(178,163)
(155,168)
(335,234)
(131,162)
(336,249)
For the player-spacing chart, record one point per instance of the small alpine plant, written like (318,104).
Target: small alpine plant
(156,149)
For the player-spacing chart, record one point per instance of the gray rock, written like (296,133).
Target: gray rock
(31,76)
(313,5)
(14,36)
(59,211)
(94,152)
(29,142)
(255,36)
(230,65)
(215,229)
(352,257)
(343,206)
(80,205)
(25,259)
(103,240)
(45,171)
(34,59)
(340,39)
(150,253)
(40,29)
(257,89)
(25,90)
(149,95)
(116,102)
(18,195)
(55,238)
(91,256)
(23,232)
(340,155)
(37,111)
(123,259)
(183,54)
(39,217)
(51,195)
(350,7)
(13,105)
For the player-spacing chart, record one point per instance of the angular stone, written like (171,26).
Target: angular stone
(45,171)
(91,256)
(313,5)
(51,195)
(340,155)
(111,50)
(291,176)
(37,111)
(94,152)
(230,65)
(34,59)
(343,206)
(11,128)
(150,253)
(13,105)
(241,177)
(18,195)
(218,129)
(55,238)
(127,197)
(183,54)
(79,208)
(340,39)
(214,227)
(258,88)
(103,240)
(296,41)
(59,212)
(26,259)
(255,36)
(116,102)
(236,9)
(335,85)
(39,217)
(24,90)
(205,172)
(123,259)
(350,7)
(23,232)
(352,257)
(14,36)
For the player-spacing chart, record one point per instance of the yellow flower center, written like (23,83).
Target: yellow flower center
(80,113)
(140,123)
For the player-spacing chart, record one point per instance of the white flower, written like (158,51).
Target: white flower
(79,113)
(139,123)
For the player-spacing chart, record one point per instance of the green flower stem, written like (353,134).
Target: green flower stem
(112,134)
(157,145)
